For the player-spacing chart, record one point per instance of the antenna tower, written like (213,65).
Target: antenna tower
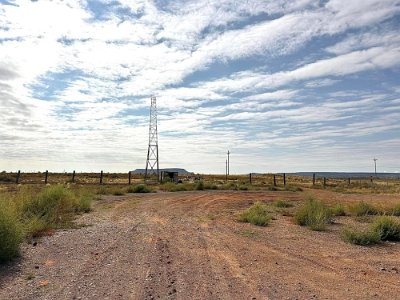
(152,165)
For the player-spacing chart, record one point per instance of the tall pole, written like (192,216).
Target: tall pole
(375,159)
(228,162)
(226,170)
(152,165)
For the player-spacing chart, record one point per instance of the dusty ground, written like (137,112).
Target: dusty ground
(188,245)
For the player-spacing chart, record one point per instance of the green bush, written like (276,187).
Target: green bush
(243,187)
(200,186)
(280,203)
(361,237)
(387,228)
(256,214)
(140,188)
(338,210)
(180,187)
(30,211)
(53,207)
(364,209)
(314,214)
(118,192)
(85,201)
(11,234)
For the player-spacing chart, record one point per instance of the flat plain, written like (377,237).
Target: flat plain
(189,245)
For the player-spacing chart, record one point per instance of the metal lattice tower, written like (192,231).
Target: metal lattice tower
(152,165)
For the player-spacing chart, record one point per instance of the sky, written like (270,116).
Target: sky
(284,85)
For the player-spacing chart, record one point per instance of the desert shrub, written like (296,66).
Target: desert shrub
(50,204)
(395,211)
(11,234)
(293,188)
(103,190)
(256,214)
(53,207)
(118,192)
(387,228)
(85,201)
(361,237)
(280,203)
(210,186)
(180,187)
(200,186)
(243,187)
(140,188)
(338,210)
(363,209)
(314,214)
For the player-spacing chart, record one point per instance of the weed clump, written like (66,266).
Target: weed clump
(387,228)
(200,186)
(361,237)
(314,214)
(256,214)
(280,203)
(140,188)
(395,211)
(53,207)
(364,209)
(11,233)
(338,210)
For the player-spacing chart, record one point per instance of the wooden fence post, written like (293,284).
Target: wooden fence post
(313,179)
(18,175)
(274,180)
(73,176)
(129,177)
(101,177)
(284,179)
(348,180)
(250,178)
(46,175)
(324,181)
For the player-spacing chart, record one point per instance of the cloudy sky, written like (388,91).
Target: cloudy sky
(285,85)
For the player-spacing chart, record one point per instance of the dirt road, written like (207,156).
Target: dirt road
(188,245)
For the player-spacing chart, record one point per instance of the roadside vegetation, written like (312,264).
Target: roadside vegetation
(31,212)
(383,228)
(313,214)
(140,188)
(257,214)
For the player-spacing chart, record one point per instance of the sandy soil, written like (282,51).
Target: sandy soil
(188,245)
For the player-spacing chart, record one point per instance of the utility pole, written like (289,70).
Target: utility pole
(375,159)
(226,170)
(152,165)
(228,161)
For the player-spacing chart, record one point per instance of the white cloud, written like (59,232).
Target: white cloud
(119,60)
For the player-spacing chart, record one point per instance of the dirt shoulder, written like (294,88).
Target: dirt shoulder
(188,245)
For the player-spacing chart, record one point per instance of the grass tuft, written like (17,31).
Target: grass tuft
(256,214)
(200,186)
(395,211)
(387,227)
(11,234)
(314,214)
(280,203)
(361,237)
(364,209)
(338,210)
(140,188)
